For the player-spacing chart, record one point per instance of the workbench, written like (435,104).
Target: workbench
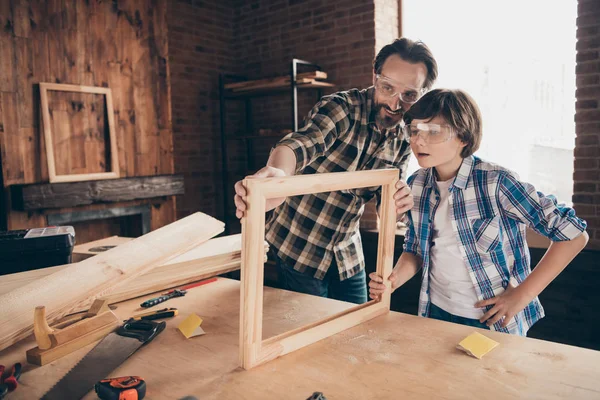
(392,356)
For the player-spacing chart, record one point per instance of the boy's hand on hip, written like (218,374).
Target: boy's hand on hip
(377,287)
(506,305)
(240,191)
(403,198)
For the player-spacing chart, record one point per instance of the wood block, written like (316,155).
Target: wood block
(81,328)
(43,357)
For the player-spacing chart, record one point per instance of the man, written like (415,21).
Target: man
(316,237)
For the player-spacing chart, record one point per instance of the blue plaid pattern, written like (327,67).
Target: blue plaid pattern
(491,210)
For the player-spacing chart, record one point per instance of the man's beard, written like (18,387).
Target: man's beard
(384,120)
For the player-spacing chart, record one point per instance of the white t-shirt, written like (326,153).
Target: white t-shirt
(450,286)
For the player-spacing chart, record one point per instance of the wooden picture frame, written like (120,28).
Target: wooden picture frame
(253,349)
(114,151)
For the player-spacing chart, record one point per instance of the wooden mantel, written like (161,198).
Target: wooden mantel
(72,194)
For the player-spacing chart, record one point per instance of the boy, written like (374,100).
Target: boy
(467,227)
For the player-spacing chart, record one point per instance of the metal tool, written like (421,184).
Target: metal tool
(104,358)
(157,314)
(9,383)
(164,297)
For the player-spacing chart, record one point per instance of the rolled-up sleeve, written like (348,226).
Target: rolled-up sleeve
(522,202)
(411,244)
(327,121)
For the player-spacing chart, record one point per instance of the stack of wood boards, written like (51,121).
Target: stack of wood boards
(90,249)
(164,258)
(216,256)
(308,79)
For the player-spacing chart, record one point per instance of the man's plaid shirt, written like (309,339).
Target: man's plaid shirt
(340,134)
(490,210)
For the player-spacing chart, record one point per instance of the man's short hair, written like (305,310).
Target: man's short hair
(458,109)
(412,52)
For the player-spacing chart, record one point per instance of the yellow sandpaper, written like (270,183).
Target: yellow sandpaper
(190,326)
(477,345)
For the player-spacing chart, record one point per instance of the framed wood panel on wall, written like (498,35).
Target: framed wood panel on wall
(75,132)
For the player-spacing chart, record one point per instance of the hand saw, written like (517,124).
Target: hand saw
(105,357)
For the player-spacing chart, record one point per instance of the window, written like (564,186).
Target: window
(517,60)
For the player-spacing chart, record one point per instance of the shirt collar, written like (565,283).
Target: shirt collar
(462,177)
(464,172)
(371,106)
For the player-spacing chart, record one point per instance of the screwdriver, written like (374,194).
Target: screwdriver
(169,295)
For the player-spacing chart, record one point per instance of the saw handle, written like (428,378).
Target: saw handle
(143,330)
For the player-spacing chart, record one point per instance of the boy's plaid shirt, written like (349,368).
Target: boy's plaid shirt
(340,134)
(491,210)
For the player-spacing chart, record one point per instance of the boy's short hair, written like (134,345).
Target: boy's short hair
(457,108)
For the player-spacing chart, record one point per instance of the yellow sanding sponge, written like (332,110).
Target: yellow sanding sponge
(190,326)
(477,345)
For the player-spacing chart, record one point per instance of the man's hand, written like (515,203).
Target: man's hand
(506,305)
(240,191)
(403,198)
(377,287)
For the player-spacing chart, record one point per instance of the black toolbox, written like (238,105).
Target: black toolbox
(28,249)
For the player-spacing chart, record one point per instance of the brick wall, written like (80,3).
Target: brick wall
(386,30)
(200,37)
(339,36)
(586,195)
(256,39)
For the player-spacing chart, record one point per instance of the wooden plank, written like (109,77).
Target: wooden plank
(251,305)
(279,80)
(387,230)
(8,79)
(253,350)
(146,131)
(12,157)
(316,84)
(92,278)
(73,194)
(21,24)
(90,249)
(216,256)
(318,183)
(291,341)
(31,152)
(24,81)
(45,112)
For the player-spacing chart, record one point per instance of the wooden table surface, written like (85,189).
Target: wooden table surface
(393,356)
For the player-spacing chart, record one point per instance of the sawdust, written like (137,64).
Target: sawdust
(353,359)
(550,356)
(291,315)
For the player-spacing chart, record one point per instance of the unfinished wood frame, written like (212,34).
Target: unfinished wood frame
(114,151)
(253,349)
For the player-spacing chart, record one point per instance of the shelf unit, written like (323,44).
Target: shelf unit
(245,91)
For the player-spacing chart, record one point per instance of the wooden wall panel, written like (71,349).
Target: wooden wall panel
(80,132)
(120,45)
